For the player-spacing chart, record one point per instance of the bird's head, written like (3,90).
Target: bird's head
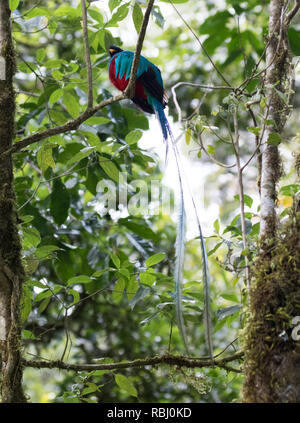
(114,50)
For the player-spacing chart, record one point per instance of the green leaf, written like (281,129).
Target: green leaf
(37,11)
(255,130)
(45,251)
(289,190)
(95,14)
(188,136)
(27,334)
(55,96)
(125,384)
(90,388)
(40,55)
(230,297)
(97,120)
(45,158)
(101,272)
(112,4)
(274,138)
(214,21)
(133,136)
(13,4)
(294,39)
(156,258)
(72,104)
(85,152)
(65,10)
(109,168)
(115,259)
(211,149)
(141,230)
(59,202)
(53,63)
(137,16)
(216,247)
(217,226)
(175,1)
(44,304)
(132,287)
(118,291)
(57,75)
(42,295)
(26,304)
(139,295)
(79,279)
(119,15)
(75,294)
(247,199)
(31,237)
(147,278)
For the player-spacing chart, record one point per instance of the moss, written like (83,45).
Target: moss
(272,357)
(297,163)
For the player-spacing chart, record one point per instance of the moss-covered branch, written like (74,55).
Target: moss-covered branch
(169,359)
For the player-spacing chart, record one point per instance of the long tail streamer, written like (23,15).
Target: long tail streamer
(179,257)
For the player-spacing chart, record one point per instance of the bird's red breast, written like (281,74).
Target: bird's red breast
(121,83)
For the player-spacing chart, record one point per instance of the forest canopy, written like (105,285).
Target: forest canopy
(116,285)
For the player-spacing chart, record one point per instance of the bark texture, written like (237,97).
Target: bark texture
(272,356)
(278,86)
(11,270)
(272,352)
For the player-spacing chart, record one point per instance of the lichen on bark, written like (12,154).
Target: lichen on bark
(272,356)
(11,270)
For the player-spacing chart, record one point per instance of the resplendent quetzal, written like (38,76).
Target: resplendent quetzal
(150,95)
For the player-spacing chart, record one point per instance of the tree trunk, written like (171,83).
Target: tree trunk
(11,270)
(272,356)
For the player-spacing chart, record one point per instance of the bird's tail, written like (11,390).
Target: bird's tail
(161,117)
(180,241)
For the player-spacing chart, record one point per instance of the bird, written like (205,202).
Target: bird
(150,95)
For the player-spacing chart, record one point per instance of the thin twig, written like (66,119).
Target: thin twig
(87,55)
(210,156)
(241,191)
(292,12)
(201,45)
(191,84)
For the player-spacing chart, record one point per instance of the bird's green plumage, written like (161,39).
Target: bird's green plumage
(149,96)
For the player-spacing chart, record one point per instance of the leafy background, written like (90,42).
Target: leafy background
(99,286)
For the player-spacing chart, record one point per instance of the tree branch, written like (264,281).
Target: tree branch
(129,92)
(61,129)
(169,359)
(90,111)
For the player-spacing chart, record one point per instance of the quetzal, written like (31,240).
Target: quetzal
(149,95)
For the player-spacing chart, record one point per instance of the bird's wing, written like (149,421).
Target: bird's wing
(123,64)
(147,73)
(153,83)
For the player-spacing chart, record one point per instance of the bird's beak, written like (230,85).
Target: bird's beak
(112,50)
